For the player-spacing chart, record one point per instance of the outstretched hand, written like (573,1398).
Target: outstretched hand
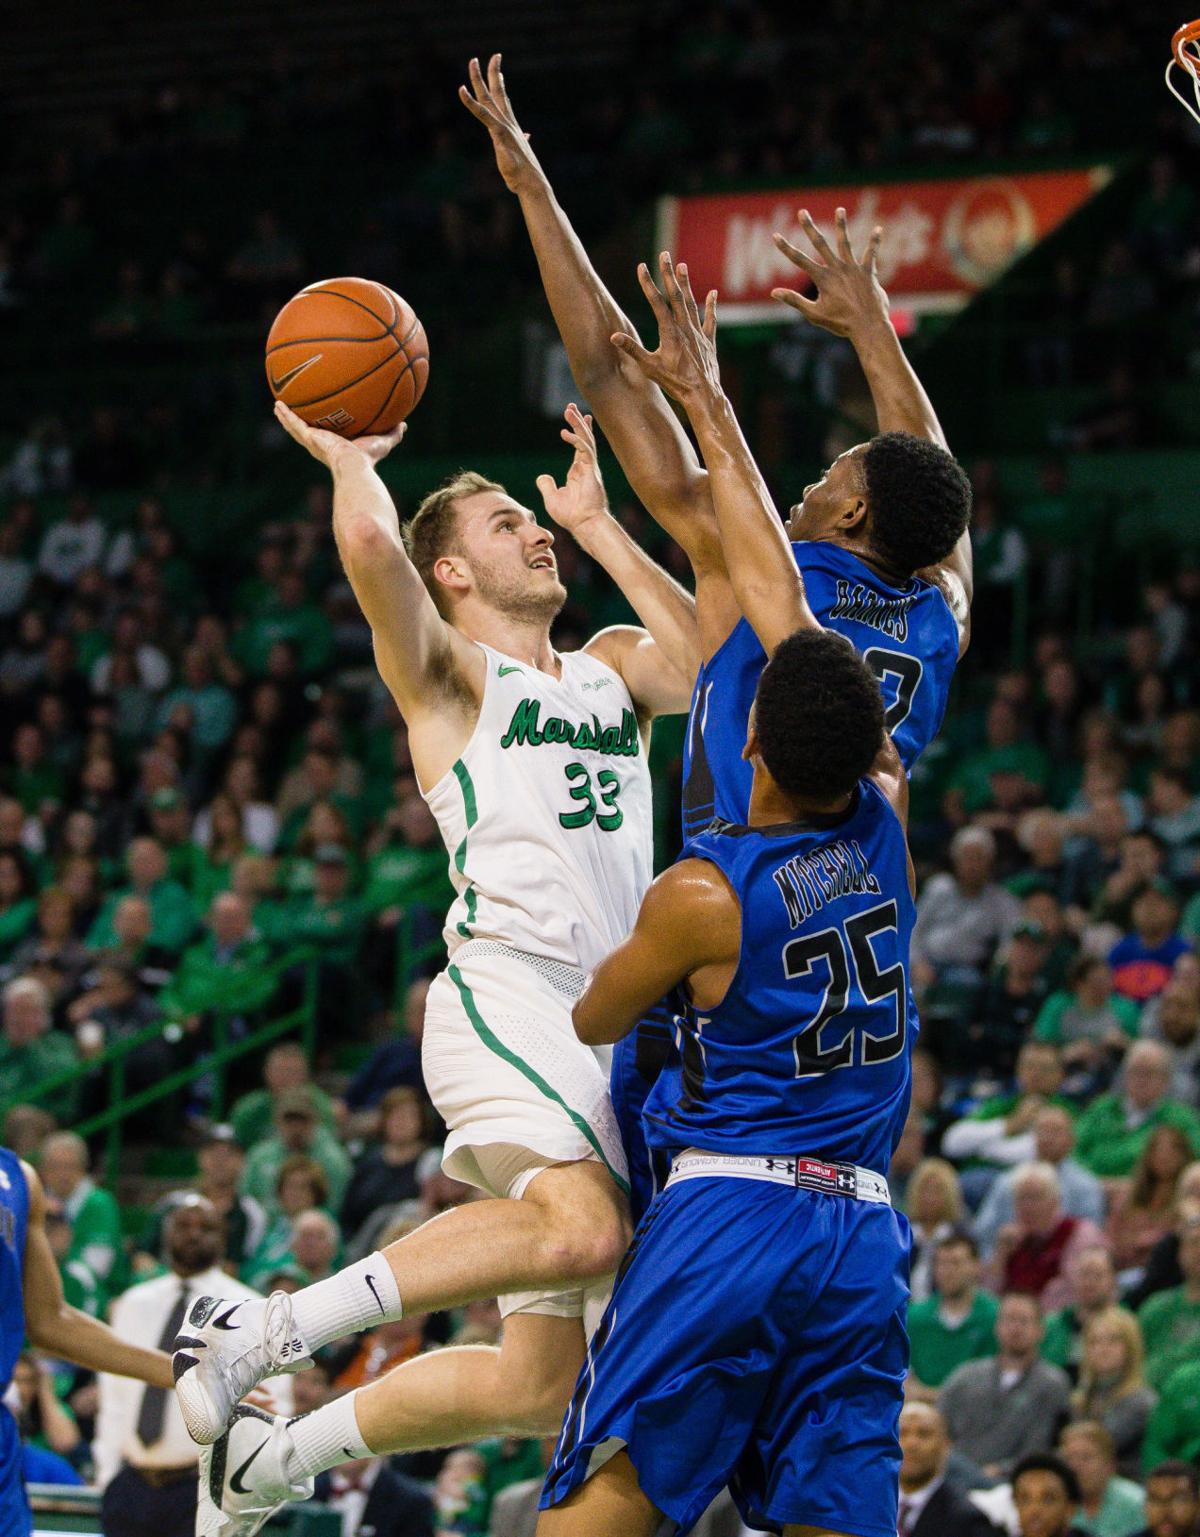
(487,100)
(583,496)
(684,363)
(331,449)
(849,293)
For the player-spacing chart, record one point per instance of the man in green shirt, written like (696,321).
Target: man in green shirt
(1170,1319)
(172,917)
(227,971)
(287,615)
(956,1324)
(298,1130)
(331,920)
(30,1051)
(93,1213)
(1115,1128)
(286,1067)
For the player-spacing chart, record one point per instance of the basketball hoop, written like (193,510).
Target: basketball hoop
(1185,53)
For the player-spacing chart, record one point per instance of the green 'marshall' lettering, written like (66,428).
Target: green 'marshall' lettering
(527,729)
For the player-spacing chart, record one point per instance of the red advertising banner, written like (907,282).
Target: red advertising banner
(942,240)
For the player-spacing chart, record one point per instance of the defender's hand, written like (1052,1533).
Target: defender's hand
(684,363)
(488,101)
(583,497)
(849,293)
(332,450)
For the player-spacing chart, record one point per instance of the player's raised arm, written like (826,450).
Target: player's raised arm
(659,664)
(417,652)
(65,1332)
(689,926)
(647,437)
(766,582)
(850,301)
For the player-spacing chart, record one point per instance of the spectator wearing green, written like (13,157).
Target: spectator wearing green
(326,823)
(228,971)
(254,1115)
(1087,1020)
(1094,1281)
(33,778)
(227,844)
(31,1051)
(298,1130)
(80,1287)
(321,778)
(999,1132)
(172,916)
(1111,1506)
(406,859)
(286,615)
(1170,1319)
(93,1212)
(332,920)
(171,825)
(1174,1428)
(300,1185)
(1009,771)
(18,902)
(209,705)
(956,1324)
(1115,1128)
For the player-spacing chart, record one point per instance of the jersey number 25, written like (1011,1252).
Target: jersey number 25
(849,958)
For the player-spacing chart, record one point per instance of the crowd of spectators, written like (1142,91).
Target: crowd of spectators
(196,800)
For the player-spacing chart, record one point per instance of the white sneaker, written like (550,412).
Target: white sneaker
(226,1347)
(243,1475)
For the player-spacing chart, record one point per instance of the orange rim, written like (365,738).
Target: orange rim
(1185,46)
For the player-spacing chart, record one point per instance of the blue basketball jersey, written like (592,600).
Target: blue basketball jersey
(809,1051)
(907,636)
(14,1223)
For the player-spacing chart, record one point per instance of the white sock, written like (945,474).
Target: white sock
(326,1437)
(359,1297)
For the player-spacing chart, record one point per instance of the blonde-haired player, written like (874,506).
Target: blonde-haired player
(534,763)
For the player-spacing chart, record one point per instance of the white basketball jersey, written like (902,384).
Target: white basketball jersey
(547,815)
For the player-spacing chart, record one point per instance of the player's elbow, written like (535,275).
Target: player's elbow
(365,544)
(39,1326)
(592,1026)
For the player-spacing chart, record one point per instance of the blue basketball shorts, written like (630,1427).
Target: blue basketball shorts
(756,1338)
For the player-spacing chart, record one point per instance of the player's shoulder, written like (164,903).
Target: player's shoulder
(611,645)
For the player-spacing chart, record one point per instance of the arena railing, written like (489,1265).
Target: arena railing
(62,1508)
(113,1060)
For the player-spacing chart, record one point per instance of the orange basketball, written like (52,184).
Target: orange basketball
(349,355)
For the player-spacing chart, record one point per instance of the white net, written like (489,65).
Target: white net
(1185,58)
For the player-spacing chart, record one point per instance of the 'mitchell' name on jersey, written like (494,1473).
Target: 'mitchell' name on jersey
(546,816)
(906,635)
(808,1053)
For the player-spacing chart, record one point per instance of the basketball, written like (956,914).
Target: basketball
(349,355)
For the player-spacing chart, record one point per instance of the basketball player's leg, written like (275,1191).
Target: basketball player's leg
(569,1228)
(520,1388)
(610,1504)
